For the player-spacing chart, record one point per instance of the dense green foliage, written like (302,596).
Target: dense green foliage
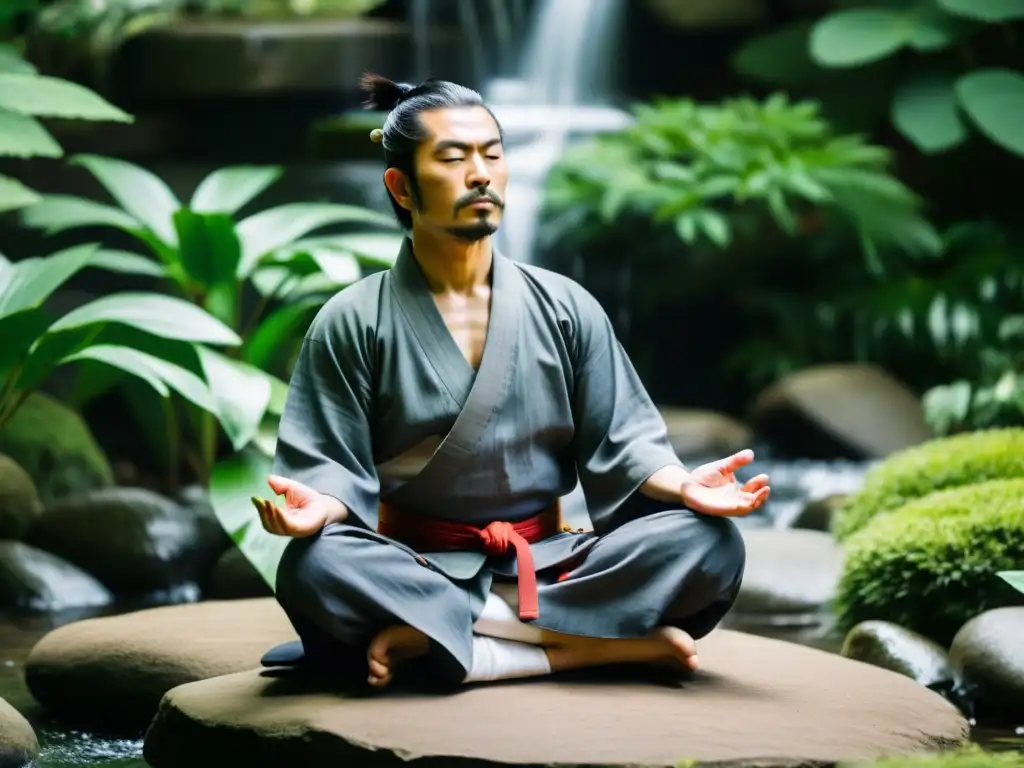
(932,564)
(938,464)
(720,172)
(856,57)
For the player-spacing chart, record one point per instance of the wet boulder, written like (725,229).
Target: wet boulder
(892,647)
(135,541)
(234,577)
(18,742)
(988,653)
(56,448)
(19,499)
(35,580)
(789,573)
(840,411)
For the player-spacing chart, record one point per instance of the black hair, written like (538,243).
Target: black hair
(403,130)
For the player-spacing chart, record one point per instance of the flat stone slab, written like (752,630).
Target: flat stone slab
(757,701)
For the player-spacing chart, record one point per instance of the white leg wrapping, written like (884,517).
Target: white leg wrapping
(496,659)
(499,620)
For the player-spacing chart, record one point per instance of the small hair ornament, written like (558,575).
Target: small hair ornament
(376,135)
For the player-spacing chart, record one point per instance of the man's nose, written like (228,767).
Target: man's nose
(478,175)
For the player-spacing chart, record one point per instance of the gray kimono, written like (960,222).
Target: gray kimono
(555,401)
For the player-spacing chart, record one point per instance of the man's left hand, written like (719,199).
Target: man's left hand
(713,489)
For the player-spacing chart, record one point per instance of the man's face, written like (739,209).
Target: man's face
(461,171)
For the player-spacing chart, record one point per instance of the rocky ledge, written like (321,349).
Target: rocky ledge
(756,701)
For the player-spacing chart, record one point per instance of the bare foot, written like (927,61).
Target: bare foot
(678,646)
(390,648)
(665,645)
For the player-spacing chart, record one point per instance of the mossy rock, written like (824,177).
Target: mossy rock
(19,499)
(55,446)
(936,465)
(931,565)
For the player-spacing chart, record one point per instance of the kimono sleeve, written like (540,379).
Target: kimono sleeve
(621,438)
(324,440)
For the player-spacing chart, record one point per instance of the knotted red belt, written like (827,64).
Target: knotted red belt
(428,534)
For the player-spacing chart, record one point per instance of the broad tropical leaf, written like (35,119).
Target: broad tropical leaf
(19,332)
(277,227)
(138,191)
(242,394)
(1014,578)
(233,483)
(994,100)
(162,375)
(779,57)
(57,213)
(24,136)
(12,62)
(282,327)
(52,97)
(15,195)
(991,11)
(858,36)
(377,248)
(127,263)
(163,316)
(924,110)
(228,189)
(30,282)
(209,247)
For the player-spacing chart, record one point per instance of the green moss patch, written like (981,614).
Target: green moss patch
(939,464)
(931,565)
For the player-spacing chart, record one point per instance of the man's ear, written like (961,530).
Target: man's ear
(398,185)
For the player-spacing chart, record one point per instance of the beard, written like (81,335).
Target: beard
(472,233)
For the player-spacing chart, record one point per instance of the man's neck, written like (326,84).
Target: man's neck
(450,265)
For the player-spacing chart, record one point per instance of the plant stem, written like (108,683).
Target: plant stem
(15,402)
(261,305)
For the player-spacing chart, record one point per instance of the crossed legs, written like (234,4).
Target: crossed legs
(644,593)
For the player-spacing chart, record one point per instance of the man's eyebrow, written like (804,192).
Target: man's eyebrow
(463,146)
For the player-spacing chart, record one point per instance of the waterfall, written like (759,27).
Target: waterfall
(563,91)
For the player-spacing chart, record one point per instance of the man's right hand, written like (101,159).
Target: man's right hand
(305,511)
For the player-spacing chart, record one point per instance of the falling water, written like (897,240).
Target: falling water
(563,92)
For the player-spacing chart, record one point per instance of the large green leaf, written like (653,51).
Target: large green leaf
(779,57)
(281,328)
(57,213)
(160,374)
(19,332)
(24,136)
(377,248)
(994,100)
(138,191)
(29,282)
(209,247)
(127,263)
(163,316)
(228,189)
(12,62)
(242,393)
(52,97)
(985,10)
(924,110)
(277,227)
(1014,578)
(233,483)
(15,195)
(858,36)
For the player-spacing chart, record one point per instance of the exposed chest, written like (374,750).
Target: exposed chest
(466,318)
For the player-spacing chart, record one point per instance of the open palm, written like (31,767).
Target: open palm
(304,512)
(714,490)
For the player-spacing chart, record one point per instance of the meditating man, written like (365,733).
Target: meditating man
(508,382)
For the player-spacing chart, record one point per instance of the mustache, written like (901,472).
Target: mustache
(476,197)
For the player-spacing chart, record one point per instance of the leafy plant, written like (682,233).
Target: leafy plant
(26,96)
(855,55)
(720,172)
(1014,578)
(35,343)
(261,276)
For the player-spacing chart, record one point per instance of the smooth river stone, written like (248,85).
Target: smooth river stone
(757,700)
